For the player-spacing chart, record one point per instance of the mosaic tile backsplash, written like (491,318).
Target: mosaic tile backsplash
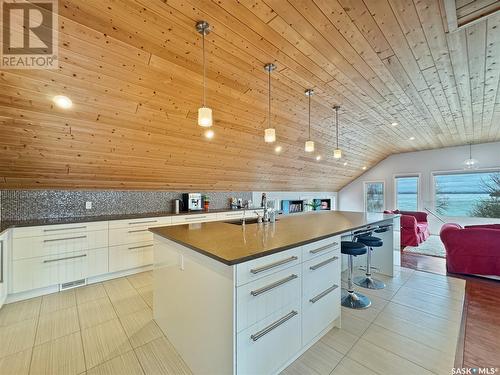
(53,204)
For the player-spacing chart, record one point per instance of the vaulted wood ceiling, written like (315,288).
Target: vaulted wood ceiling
(133,71)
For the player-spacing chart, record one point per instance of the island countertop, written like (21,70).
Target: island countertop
(232,244)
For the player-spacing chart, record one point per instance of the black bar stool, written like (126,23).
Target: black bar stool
(368,281)
(350,298)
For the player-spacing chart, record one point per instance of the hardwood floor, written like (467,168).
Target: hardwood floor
(479,342)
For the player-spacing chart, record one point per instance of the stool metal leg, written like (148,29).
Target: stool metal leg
(349,297)
(368,281)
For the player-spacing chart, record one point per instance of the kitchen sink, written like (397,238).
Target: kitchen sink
(240,221)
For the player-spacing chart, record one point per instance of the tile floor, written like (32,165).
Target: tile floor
(107,328)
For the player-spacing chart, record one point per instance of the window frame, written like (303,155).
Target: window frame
(365,183)
(419,188)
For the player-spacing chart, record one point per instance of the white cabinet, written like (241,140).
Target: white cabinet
(124,257)
(4,261)
(39,272)
(268,345)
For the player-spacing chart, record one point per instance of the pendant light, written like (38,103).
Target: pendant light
(204,113)
(470,163)
(309,145)
(270,132)
(337,153)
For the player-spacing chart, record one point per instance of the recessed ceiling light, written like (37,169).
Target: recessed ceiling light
(278,149)
(62,101)
(364,167)
(394,124)
(318,157)
(412,138)
(209,133)
(345,163)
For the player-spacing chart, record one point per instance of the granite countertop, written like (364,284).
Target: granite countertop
(232,244)
(86,219)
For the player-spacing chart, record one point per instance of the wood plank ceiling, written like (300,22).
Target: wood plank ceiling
(133,71)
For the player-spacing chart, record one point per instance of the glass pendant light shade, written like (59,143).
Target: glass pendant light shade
(205,117)
(309,146)
(270,135)
(470,163)
(337,153)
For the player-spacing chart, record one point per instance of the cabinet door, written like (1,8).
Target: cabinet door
(130,256)
(267,346)
(321,294)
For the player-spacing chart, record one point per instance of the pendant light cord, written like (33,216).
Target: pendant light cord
(269,117)
(309,116)
(470,150)
(337,124)
(204,70)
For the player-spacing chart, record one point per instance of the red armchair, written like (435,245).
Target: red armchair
(414,227)
(473,250)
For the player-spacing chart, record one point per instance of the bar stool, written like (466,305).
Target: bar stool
(368,281)
(350,298)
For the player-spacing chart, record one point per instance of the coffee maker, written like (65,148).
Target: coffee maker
(192,201)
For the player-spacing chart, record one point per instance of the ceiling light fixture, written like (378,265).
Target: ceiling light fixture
(209,133)
(470,163)
(364,167)
(204,113)
(278,149)
(394,124)
(318,157)
(62,101)
(270,132)
(345,163)
(337,153)
(412,138)
(309,145)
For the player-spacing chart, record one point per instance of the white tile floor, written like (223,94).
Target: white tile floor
(107,328)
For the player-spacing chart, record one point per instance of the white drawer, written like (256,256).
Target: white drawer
(266,346)
(58,229)
(260,298)
(317,248)
(232,215)
(264,266)
(146,222)
(194,218)
(41,272)
(121,236)
(125,257)
(321,294)
(60,243)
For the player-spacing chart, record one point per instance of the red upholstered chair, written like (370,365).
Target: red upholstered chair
(414,227)
(473,250)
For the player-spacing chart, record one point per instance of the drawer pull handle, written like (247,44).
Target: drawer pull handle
(64,239)
(234,214)
(269,287)
(57,260)
(58,229)
(323,263)
(274,325)
(195,218)
(140,247)
(138,230)
(272,265)
(324,293)
(322,248)
(142,222)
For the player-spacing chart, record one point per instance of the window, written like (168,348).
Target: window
(467,194)
(374,196)
(407,193)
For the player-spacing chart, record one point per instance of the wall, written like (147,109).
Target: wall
(350,197)
(40,204)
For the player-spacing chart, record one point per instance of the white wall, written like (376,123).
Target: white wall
(350,198)
(278,196)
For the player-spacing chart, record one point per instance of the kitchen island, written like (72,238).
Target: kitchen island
(249,299)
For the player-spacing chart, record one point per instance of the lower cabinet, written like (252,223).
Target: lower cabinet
(40,272)
(266,346)
(130,256)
